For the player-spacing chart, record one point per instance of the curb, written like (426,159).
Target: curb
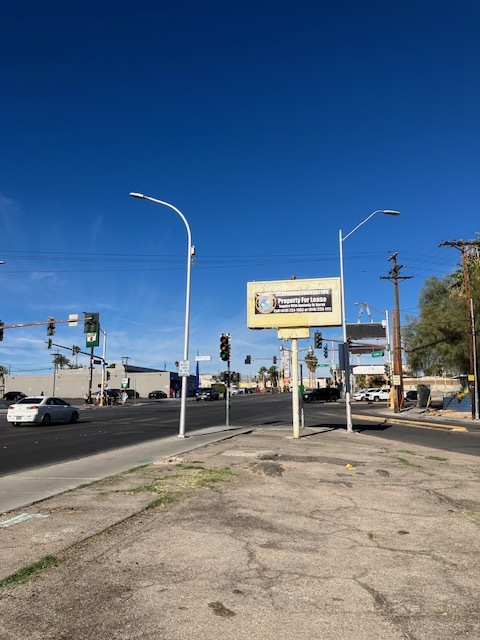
(411,423)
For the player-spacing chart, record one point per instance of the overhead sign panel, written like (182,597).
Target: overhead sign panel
(362,349)
(313,302)
(366,331)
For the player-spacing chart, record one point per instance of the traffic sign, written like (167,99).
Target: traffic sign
(377,354)
(92,339)
(323,364)
(203,358)
(184,368)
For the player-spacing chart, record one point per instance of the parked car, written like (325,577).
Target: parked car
(326,394)
(207,394)
(361,394)
(376,395)
(13,396)
(130,392)
(236,392)
(41,410)
(157,395)
(411,396)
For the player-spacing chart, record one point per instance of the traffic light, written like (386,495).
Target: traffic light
(387,369)
(349,344)
(325,351)
(49,343)
(108,375)
(75,350)
(274,359)
(1,330)
(91,323)
(51,327)
(318,340)
(225,347)
(248,360)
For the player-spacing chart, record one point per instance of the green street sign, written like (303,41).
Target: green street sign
(377,354)
(323,364)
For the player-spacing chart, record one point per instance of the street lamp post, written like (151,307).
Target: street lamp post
(346,353)
(190,252)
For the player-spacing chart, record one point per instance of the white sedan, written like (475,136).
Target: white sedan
(41,410)
(361,395)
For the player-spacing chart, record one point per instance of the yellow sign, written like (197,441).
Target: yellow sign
(313,302)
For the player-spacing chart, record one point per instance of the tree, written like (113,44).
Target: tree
(60,361)
(262,372)
(311,361)
(436,342)
(273,376)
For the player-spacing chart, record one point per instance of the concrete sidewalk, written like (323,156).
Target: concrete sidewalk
(331,536)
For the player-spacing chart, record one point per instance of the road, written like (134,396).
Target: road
(103,429)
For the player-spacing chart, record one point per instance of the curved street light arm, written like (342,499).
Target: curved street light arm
(190,252)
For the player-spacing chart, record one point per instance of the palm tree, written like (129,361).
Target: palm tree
(273,375)
(311,361)
(60,361)
(262,372)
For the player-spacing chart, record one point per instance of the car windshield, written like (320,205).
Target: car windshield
(30,400)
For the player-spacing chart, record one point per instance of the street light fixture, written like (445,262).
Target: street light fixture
(346,353)
(190,252)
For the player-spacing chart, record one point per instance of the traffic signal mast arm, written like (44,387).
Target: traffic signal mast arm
(34,324)
(78,350)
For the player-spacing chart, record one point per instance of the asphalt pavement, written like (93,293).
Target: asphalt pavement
(247,533)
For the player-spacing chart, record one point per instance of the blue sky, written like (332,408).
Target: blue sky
(269,124)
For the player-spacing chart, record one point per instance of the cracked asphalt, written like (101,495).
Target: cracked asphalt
(331,536)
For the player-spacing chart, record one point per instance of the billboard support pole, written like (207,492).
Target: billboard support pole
(295,395)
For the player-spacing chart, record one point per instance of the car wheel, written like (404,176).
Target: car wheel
(333,399)
(74,417)
(376,399)
(15,424)
(46,420)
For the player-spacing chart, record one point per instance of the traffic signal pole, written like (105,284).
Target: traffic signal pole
(227,396)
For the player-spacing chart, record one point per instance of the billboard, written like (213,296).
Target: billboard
(312,302)
(367,330)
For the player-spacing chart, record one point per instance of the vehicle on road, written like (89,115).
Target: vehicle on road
(207,394)
(157,395)
(13,396)
(130,392)
(326,394)
(236,392)
(411,396)
(383,393)
(41,410)
(361,394)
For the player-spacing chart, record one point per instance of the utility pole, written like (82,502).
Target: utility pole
(55,366)
(464,247)
(393,276)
